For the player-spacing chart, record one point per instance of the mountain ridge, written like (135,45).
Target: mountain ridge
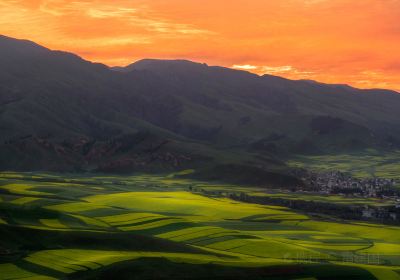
(71,108)
(127,68)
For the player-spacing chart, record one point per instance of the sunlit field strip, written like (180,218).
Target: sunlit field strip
(183,202)
(327,199)
(91,221)
(334,247)
(76,207)
(25,200)
(311,241)
(52,223)
(325,238)
(67,229)
(387,234)
(72,260)
(182,232)
(295,233)
(152,225)
(120,219)
(266,248)
(49,261)
(199,234)
(10,271)
(383,249)
(283,217)
(144,219)
(23,189)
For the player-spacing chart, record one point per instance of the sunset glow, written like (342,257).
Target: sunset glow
(333,41)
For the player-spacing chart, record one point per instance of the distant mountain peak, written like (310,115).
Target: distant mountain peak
(169,61)
(25,54)
(154,64)
(9,43)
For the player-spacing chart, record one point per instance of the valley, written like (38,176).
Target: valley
(55,226)
(174,169)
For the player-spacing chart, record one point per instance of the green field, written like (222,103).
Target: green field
(225,190)
(158,227)
(366,165)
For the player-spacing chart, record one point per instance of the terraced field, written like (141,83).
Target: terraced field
(279,194)
(156,227)
(370,164)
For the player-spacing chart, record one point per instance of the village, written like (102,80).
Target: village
(336,182)
(339,183)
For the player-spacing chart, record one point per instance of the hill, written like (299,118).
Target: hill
(59,112)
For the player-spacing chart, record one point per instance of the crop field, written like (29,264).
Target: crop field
(336,199)
(303,196)
(84,227)
(369,164)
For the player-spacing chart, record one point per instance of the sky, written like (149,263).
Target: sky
(355,42)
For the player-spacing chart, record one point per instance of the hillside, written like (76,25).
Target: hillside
(59,112)
(242,108)
(63,226)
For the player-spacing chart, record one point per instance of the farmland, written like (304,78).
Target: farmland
(303,196)
(151,226)
(366,165)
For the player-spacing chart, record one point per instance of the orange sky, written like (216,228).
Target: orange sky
(336,41)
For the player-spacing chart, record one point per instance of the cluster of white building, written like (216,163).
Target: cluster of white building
(341,183)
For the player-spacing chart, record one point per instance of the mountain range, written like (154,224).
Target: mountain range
(59,112)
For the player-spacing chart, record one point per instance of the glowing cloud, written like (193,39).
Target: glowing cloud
(245,67)
(333,41)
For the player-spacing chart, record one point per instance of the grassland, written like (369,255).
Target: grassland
(303,196)
(368,164)
(83,227)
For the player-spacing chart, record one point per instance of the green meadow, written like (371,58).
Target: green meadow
(158,227)
(302,196)
(368,164)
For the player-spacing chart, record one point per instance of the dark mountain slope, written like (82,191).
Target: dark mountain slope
(48,92)
(60,112)
(240,107)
